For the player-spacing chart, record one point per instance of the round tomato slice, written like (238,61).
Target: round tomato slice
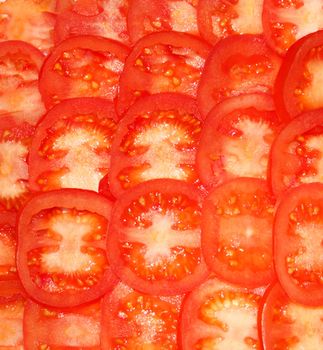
(162,62)
(298,84)
(217,315)
(236,139)
(296,155)
(154,242)
(218,19)
(157,138)
(106,18)
(71,146)
(286,325)
(146,17)
(20,64)
(132,320)
(61,255)
(298,248)
(238,64)
(285,22)
(82,66)
(237,224)
(53,328)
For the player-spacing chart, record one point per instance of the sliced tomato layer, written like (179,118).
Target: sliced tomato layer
(144,321)
(298,245)
(53,328)
(217,315)
(154,241)
(157,138)
(71,146)
(162,62)
(236,139)
(237,65)
(146,17)
(61,254)
(82,66)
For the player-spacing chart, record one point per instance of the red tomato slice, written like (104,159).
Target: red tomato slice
(237,65)
(61,255)
(237,226)
(31,21)
(20,64)
(298,84)
(217,315)
(162,62)
(146,17)
(286,325)
(15,142)
(71,146)
(53,328)
(287,21)
(218,19)
(296,155)
(157,138)
(236,139)
(298,248)
(82,66)
(154,237)
(106,18)
(132,320)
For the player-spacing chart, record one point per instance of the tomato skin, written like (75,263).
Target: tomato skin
(76,199)
(296,254)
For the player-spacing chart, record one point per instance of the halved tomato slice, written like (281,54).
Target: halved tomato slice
(154,242)
(236,139)
(71,146)
(217,315)
(53,328)
(61,255)
(157,138)
(286,325)
(237,225)
(132,320)
(298,245)
(238,64)
(82,66)
(162,62)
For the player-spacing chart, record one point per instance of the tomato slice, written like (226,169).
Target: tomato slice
(154,242)
(157,138)
(237,65)
(20,64)
(162,62)
(132,320)
(71,146)
(218,19)
(286,325)
(82,66)
(61,255)
(285,22)
(298,244)
(106,18)
(236,139)
(217,315)
(237,226)
(53,328)
(146,17)
(298,84)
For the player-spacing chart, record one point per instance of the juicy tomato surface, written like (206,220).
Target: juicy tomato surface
(82,66)
(61,254)
(286,325)
(154,241)
(298,249)
(157,138)
(72,144)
